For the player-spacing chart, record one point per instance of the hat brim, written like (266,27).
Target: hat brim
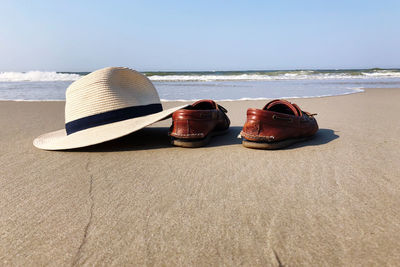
(59,140)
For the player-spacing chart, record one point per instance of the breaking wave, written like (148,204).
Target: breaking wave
(274,75)
(207,76)
(37,76)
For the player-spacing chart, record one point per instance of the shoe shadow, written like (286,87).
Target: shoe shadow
(157,138)
(323,136)
(230,138)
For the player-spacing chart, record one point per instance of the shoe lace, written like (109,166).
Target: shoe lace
(222,108)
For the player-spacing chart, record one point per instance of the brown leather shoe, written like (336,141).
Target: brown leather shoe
(279,124)
(194,125)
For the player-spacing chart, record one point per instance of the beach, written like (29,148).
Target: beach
(330,201)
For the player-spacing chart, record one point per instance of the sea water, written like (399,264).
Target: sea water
(217,85)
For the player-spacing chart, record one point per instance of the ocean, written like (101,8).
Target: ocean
(217,85)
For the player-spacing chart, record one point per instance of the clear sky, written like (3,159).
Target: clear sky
(198,35)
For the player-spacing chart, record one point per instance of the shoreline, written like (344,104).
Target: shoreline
(330,201)
(356,91)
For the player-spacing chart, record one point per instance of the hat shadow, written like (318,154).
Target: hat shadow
(157,138)
(143,139)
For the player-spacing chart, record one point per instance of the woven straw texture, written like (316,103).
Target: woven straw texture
(108,89)
(98,92)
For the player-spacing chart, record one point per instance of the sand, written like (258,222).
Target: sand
(334,200)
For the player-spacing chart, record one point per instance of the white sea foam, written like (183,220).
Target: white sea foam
(261,77)
(353,91)
(32,100)
(37,76)
(227,86)
(383,74)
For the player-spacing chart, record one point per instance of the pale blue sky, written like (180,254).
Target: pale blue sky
(202,35)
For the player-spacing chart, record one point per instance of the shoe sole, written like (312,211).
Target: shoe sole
(274,145)
(187,143)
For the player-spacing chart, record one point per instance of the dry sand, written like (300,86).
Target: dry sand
(334,200)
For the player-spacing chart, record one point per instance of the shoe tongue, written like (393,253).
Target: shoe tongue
(283,106)
(205,104)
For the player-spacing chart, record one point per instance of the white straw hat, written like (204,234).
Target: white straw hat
(104,105)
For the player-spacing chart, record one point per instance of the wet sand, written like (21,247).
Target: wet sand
(333,200)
